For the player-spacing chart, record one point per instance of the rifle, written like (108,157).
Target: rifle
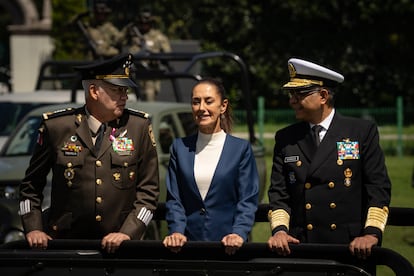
(143,43)
(90,42)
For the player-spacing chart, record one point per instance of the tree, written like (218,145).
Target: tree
(370,42)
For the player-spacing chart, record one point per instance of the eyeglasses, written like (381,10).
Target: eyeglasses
(301,94)
(114,89)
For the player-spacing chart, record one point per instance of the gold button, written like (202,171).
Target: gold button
(331,185)
(54,227)
(132,176)
(309,227)
(125,164)
(98,199)
(333,226)
(69,165)
(98,218)
(339,162)
(332,205)
(117,176)
(98,163)
(308,206)
(308,185)
(298,163)
(99,181)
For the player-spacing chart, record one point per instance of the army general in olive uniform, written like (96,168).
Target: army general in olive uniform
(328,185)
(105,170)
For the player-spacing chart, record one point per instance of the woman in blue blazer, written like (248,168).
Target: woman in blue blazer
(212,180)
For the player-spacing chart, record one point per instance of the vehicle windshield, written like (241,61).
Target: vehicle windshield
(11,113)
(24,141)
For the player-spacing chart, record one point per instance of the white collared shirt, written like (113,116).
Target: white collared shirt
(325,124)
(93,124)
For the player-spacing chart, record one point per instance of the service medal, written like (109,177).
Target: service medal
(71,149)
(69,174)
(348,150)
(123,145)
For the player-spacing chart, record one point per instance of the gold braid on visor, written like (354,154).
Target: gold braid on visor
(295,82)
(104,77)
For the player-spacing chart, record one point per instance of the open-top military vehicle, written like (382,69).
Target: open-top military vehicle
(149,257)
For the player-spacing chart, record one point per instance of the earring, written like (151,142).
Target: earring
(222,116)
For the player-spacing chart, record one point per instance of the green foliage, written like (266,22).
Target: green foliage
(69,44)
(370,42)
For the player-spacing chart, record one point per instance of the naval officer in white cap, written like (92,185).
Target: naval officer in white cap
(328,185)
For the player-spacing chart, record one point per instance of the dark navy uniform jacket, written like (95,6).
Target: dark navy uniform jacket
(93,193)
(328,192)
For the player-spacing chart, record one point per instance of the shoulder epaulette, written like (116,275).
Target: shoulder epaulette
(58,113)
(138,113)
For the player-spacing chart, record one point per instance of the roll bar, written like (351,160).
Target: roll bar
(53,70)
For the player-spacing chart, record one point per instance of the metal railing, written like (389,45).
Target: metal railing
(195,258)
(199,258)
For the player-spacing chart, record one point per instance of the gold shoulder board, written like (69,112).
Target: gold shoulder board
(58,113)
(138,113)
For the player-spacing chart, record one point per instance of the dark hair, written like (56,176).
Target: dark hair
(331,96)
(226,120)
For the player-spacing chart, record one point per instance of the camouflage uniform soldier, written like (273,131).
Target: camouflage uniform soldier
(146,38)
(104,34)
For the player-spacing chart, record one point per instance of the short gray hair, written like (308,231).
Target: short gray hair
(85,85)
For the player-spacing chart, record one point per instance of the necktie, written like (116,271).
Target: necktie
(316,130)
(99,137)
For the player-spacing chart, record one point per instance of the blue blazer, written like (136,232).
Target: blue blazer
(231,201)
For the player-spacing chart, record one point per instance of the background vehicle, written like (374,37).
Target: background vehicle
(13,106)
(170,120)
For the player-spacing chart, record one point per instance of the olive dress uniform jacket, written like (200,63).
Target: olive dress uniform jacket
(231,201)
(93,193)
(327,191)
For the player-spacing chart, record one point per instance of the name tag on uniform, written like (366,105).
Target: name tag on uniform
(348,150)
(291,159)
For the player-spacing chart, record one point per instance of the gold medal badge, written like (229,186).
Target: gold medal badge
(348,175)
(69,174)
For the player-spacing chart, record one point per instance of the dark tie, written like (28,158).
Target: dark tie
(316,130)
(99,137)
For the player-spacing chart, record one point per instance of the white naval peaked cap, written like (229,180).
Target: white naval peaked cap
(304,74)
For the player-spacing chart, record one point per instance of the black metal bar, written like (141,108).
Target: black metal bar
(53,64)
(244,80)
(312,257)
(195,58)
(192,58)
